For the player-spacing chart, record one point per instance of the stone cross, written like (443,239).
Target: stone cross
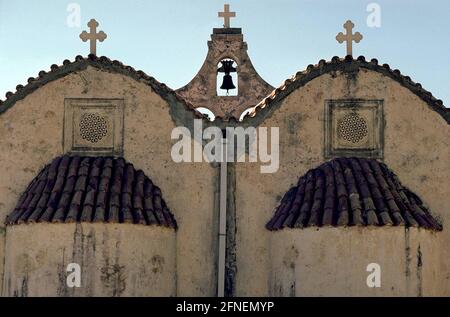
(93,36)
(226,15)
(349,37)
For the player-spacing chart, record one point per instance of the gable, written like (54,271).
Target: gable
(102,63)
(349,66)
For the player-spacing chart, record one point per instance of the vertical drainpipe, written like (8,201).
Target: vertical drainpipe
(222,219)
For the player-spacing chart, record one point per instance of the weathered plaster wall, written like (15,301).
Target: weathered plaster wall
(115,260)
(333,262)
(31,135)
(2,252)
(417,149)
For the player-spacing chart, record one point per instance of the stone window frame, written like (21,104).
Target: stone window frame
(118,131)
(378,125)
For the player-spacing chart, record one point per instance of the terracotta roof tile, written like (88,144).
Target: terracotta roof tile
(92,189)
(348,64)
(351,191)
(82,63)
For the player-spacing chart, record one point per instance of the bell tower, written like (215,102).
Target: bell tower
(227,83)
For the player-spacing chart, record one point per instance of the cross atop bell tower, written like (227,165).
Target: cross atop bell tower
(226,15)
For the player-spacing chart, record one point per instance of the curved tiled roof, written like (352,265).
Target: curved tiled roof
(351,191)
(82,63)
(349,64)
(92,189)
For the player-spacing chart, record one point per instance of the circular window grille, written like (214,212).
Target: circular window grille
(352,128)
(93,127)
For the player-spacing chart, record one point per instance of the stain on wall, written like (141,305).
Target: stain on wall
(115,260)
(332,262)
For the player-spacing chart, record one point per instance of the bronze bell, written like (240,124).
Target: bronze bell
(227,68)
(227,83)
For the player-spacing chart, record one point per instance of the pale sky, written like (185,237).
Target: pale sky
(167,39)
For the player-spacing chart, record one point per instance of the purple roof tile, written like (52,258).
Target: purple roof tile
(351,191)
(92,189)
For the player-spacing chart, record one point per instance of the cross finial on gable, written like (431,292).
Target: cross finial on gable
(93,36)
(349,37)
(226,15)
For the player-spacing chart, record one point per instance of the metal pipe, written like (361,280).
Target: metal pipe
(222,221)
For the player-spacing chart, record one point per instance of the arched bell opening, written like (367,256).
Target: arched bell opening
(206,112)
(227,78)
(245,113)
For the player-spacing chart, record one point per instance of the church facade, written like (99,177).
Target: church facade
(87,179)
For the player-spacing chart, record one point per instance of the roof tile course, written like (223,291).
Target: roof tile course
(349,64)
(299,79)
(81,63)
(92,189)
(351,191)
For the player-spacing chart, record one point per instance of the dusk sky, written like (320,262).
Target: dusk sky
(168,39)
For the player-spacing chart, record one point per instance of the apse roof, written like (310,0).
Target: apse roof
(348,64)
(351,191)
(92,189)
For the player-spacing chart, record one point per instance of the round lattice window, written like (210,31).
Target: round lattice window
(352,128)
(93,127)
